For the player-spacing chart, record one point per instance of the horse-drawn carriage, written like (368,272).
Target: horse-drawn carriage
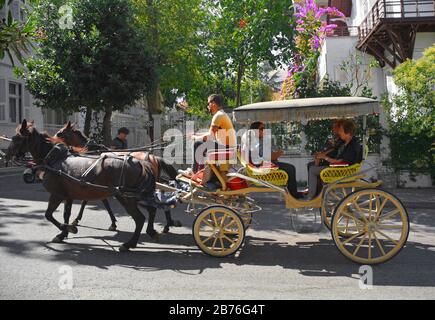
(368,225)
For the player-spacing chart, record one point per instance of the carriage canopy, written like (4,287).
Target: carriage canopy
(306,109)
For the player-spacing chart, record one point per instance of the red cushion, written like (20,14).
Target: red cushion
(221,155)
(340,164)
(265,165)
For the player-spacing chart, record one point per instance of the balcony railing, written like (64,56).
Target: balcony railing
(395,9)
(343,31)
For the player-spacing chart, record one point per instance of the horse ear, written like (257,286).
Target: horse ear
(31,123)
(23,128)
(68,125)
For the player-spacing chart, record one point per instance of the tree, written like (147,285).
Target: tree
(175,32)
(101,61)
(244,33)
(16,37)
(411,115)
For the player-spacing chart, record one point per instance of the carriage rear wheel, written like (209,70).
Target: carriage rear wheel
(331,199)
(375,223)
(218,231)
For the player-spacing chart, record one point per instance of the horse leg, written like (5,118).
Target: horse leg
(150,227)
(112,216)
(170,222)
(80,216)
(53,204)
(130,206)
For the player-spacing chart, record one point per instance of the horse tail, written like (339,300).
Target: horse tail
(167,168)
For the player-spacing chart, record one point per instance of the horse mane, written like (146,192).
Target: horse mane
(56,140)
(32,130)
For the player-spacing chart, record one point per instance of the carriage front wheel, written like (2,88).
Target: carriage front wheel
(376,225)
(218,231)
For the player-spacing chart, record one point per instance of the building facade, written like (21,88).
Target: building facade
(16,103)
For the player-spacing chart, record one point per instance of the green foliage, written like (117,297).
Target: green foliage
(241,34)
(101,62)
(16,37)
(411,115)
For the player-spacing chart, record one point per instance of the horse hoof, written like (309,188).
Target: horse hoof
(72,229)
(112,227)
(166,230)
(75,223)
(57,239)
(156,238)
(177,223)
(123,248)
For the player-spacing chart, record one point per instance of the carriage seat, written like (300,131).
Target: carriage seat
(343,170)
(268,172)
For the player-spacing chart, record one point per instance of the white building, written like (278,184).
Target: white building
(16,103)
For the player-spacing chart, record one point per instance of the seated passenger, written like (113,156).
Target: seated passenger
(350,153)
(332,147)
(256,148)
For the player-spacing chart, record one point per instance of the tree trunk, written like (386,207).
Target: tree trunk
(240,72)
(88,120)
(107,126)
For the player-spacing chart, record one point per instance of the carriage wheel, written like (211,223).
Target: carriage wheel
(218,231)
(375,223)
(330,201)
(246,218)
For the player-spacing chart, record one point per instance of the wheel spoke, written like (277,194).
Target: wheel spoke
(223,220)
(379,243)
(370,245)
(213,214)
(361,210)
(214,244)
(208,223)
(359,244)
(228,239)
(352,217)
(386,236)
(389,215)
(335,195)
(222,244)
(229,224)
(208,239)
(353,237)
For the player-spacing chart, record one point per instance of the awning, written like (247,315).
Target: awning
(302,110)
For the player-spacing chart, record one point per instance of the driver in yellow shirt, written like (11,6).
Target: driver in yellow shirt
(221,134)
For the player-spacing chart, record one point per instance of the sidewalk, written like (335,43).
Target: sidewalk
(412,198)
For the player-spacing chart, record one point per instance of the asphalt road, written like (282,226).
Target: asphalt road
(274,263)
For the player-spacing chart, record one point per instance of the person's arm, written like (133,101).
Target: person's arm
(276,155)
(205,136)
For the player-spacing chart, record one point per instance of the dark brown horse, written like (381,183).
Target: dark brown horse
(75,138)
(71,177)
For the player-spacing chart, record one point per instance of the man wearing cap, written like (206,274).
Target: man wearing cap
(120,142)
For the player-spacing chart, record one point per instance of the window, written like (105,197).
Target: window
(2,112)
(15,102)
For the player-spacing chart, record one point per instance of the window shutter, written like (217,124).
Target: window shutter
(2,91)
